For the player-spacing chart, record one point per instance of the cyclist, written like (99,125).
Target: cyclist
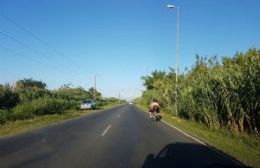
(154,107)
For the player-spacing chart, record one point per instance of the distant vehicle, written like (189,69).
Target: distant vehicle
(130,103)
(88,104)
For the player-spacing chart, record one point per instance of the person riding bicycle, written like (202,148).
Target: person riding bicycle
(154,107)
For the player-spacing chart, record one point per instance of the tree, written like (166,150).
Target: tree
(29,83)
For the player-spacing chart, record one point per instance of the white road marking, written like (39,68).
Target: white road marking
(202,143)
(118,116)
(105,131)
(184,133)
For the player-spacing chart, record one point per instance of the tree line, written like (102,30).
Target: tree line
(29,98)
(216,93)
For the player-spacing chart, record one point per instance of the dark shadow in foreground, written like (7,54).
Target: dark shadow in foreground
(186,155)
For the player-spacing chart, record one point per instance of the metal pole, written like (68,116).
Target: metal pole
(170,6)
(177,58)
(94,94)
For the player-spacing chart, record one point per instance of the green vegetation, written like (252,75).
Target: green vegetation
(29,99)
(19,126)
(217,94)
(217,102)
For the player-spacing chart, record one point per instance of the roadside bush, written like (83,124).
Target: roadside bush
(5,115)
(8,98)
(39,107)
(29,98)
(29,94)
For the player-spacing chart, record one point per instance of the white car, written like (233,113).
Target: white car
(88,104)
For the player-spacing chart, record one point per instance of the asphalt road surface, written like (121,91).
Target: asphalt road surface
(119,137)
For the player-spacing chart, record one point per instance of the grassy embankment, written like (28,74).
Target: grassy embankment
(20,126)
(244,148)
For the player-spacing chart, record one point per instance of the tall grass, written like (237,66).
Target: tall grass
(39,107)
(225,94)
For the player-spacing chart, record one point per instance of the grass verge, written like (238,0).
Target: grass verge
(242,147)
(20,126)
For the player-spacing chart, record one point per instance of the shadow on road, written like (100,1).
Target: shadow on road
(182,155)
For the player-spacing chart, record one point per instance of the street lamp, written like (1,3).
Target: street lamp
(170,6)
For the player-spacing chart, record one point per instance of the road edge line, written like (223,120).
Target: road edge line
(184,133)
(207,145)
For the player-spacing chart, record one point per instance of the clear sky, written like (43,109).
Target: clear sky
(70,41)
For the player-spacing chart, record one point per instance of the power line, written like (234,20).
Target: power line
(28,47)
(27,56)
(32,35)
(24,29)
(16,53)
(43,43)
(30,58)
(17,41)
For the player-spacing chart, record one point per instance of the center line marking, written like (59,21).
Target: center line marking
(105,131)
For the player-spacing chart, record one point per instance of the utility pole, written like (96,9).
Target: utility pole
(177,56)
(94,91)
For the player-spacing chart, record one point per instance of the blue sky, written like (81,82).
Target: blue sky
(70,41)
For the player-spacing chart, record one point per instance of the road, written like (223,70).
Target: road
(119,137)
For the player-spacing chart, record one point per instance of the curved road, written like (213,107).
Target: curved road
(119,137)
